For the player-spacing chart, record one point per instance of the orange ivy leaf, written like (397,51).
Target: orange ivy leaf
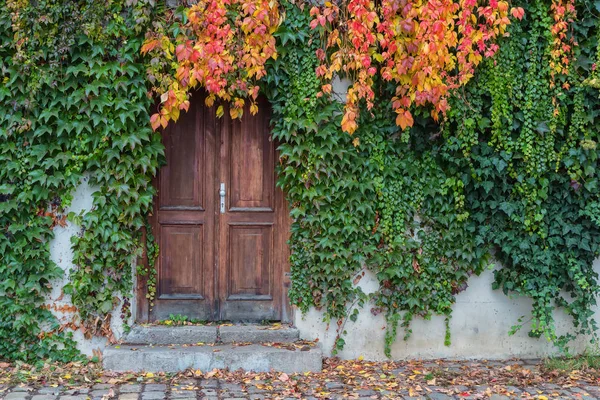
(517,12)
(404,119)
(150,45)
(155,121)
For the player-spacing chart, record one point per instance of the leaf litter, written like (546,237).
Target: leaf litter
(346,378)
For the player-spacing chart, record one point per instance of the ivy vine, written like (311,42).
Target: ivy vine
(510,171)
(73,106)
(529,138)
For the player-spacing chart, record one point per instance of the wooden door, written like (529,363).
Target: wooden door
(220,262)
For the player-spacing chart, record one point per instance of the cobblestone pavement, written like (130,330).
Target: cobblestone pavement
(342,380)
(217,389)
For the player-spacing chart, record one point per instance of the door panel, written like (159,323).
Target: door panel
(182,179)
(251,260)
(252,164)
(181,261)
(184,218)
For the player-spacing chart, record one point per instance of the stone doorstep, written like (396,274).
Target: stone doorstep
(193,334)
(257,334)
(254,357)
(165,335)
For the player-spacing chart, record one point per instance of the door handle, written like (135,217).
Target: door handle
(222,198)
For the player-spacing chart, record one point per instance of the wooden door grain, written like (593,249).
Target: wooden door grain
(184,217)
(252,240)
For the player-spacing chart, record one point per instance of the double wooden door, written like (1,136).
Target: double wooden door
(220,222)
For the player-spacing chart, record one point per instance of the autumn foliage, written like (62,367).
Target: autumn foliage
(426,48)
(222,47)
(563,14)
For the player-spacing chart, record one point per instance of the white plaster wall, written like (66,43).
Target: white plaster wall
(62,254)
(479,326)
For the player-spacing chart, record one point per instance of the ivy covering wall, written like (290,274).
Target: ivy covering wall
(509,169)
(73,106)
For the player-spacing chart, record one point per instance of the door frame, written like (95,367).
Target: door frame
(142,306)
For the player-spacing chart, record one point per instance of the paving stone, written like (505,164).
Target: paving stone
(255,390)
(16,396)
(513,389)
(209,383)
(592,390)
(397,371)
(209,392)
(50,390)
(366,392)
(257,397)
(551,386)
(102,386)
(21,389)
(439,396)
(77,397)
(44,397)
(99,393)
(498,397)
(130,388)
(190,381)
(153,395)
(334,385)
(155,387)
(182,394)
(577,390)
(129,396)
(231,386)
(76,392)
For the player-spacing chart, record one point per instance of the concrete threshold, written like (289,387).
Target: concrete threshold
(160,334)
(253,357)
(194,334)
